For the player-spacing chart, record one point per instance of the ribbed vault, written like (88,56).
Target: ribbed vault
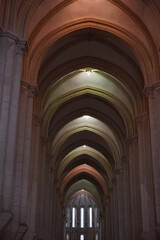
(88,115)
(83,101)
(89,101)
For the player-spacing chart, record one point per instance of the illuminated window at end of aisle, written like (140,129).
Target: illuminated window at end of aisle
(73,217)
(82,217)
(90,217)
(81,237)
(67,236)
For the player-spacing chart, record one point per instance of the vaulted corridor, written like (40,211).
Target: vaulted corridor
(79,120)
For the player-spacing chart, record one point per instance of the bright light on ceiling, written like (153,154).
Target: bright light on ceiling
(89,72)
(86,117)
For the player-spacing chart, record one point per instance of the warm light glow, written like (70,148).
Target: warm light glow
(84,146)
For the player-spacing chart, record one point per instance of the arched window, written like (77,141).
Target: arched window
(73,217)
(90,217)
(82,217)
(96,238)
(67,236)
(81,237)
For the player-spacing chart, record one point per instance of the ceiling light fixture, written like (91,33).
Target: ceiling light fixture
(86,117)
(89,72)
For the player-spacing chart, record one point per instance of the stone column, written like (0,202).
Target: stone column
(41,187)
(108,219)
(127,200)
(146,177)
(19,155)
(26,168)
(134,186)
(11,51)
(34,169)
(54,211)
(153,94)
(46,196)
(121,207)
(111,213)
(52,200)
(115,227)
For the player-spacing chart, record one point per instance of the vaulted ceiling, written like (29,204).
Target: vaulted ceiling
(89,63)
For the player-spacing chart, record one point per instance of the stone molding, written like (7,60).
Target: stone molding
(31,90)
(38,119)
(119,171)
(149,91)
(21,231)
(21,45)
(141,117)
(131,139)
(124,159)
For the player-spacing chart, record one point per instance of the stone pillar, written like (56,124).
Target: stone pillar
(153,94)
(11,51)
(19,156)
(35,169)
(127,203)
(41,187)
(47,196)
(111,213)
(26,168)
(54,211)
(146,177)
(108,224)
(134,186)
(121,207)
(115,227)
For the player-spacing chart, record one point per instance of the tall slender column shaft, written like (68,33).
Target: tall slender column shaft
(146,177)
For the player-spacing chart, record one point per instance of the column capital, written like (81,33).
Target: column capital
(31,90)
(110,190)
(119,171)
(38,119)
(24,85)
(157,86)
(131,139)
(141,117)
(114,181)
(9,35)
(149,91)
(124,159)
(21,45)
